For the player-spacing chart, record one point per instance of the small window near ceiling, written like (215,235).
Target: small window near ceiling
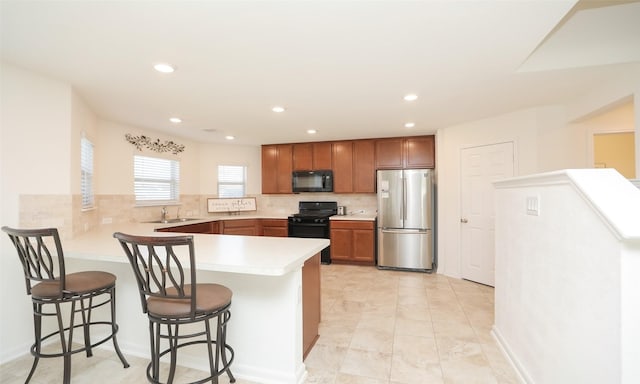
(86,173)
(232,180)
(156,181)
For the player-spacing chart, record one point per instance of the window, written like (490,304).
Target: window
(231,180)
(86,173)
(156,180)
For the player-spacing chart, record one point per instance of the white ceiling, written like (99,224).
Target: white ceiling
(341,67)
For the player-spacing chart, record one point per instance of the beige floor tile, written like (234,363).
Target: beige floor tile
(343,378)
(377,327)
(376,365)
(372,340)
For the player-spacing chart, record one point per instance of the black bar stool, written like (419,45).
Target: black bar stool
(42,259)
(171,298)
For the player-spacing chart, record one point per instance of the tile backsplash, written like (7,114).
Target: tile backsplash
(64,211)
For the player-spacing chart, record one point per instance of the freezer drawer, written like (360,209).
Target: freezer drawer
(407,249)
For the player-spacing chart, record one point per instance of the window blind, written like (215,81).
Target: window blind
(231,180)
(156,179)
(86,173)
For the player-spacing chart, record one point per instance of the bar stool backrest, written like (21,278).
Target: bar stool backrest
(157,267)
(41,256)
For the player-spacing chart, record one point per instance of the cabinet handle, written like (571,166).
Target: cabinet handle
(464,221)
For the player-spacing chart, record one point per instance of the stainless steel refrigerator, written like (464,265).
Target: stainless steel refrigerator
(405,219)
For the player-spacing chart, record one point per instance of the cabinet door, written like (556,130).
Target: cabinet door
(340,244)
(343,166)
(190,228)
(274,227)
(247,227)
(420,152)
(322,155)
(389,153)
(303,157)
(269,169)
(364,170)
(363,245)
(285,167)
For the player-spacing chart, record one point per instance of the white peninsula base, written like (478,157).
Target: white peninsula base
(266,326)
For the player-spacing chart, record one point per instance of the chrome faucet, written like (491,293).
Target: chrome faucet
(163,214)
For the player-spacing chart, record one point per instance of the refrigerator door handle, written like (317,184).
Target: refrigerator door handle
(404,200)
(406,231)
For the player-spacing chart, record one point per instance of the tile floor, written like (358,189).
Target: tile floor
(378,327)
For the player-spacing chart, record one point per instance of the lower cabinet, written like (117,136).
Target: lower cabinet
(352,242)
(208,227)
(274,227)
(246,227)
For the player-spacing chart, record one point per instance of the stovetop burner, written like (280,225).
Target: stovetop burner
(316,209)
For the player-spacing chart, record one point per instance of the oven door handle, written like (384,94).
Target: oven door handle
(299,225)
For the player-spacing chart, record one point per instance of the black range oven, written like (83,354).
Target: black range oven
(312,221)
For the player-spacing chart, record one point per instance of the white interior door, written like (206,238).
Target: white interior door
(480,167)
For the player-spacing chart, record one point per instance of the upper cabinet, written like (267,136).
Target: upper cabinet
(354,162)
(364,169)
(405,152)
(343,167)
(277,166)
(354,166)
(311,156)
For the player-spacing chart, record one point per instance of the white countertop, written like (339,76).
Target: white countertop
(355,216)
(255,255)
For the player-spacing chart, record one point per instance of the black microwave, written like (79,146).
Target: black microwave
(312,181)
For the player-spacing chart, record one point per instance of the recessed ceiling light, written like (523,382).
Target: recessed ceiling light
(411,97)
(277,109)
(175,120)
(409,125)
(164,68)
(229,137)
(312,131)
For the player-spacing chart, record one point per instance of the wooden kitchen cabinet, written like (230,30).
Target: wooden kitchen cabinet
(420,152)
(352,242)
(274,227)
(208,227)
(364,170)
(277,165)
(322,155)
(303,157)
(389,153)
(312,156)
(342,166)
(246,227)
(405,152)
(354,166)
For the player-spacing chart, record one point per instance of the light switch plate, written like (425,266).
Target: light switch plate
(533,205)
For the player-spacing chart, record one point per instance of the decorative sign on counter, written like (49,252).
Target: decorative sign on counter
(231,204)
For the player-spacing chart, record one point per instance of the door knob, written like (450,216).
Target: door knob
(464,221)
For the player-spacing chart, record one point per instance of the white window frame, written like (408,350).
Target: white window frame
(86,174)
(232,176)
(156,180)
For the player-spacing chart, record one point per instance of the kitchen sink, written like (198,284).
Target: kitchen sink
(171,221)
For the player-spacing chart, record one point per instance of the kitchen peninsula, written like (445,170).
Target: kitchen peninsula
(274,281)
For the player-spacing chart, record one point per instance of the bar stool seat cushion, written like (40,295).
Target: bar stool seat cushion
(209,298)
(76,283)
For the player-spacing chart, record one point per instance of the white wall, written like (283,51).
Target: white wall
(198,162)
(35,123)
(519,128)
(565,302)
